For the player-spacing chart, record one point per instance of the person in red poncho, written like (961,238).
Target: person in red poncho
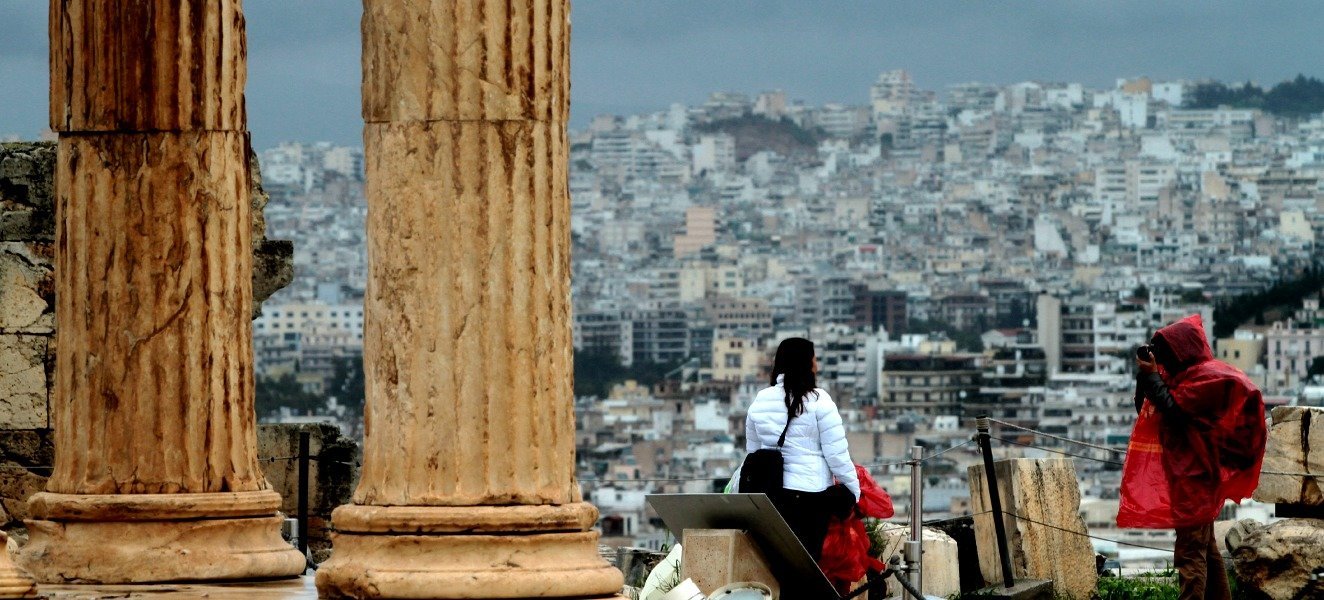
(1199,441)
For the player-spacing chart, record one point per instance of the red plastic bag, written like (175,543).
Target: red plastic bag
(874,501)
(1144,496)
(846,552)
(846,548)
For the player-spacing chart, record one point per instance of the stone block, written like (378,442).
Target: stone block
(23,381)
(332,474)
(963,531)
(1027,589)
(941,567)
(1296,445)
(27,183)
(27,287)
(716,557)
(1277,560)
(1045,534)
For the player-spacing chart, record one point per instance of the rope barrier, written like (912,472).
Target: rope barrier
(1059,438)
(950,519)
(1056,451)
(937,454)
(1095,537)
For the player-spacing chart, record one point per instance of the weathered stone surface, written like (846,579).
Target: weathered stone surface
(14,581)
(467,349)
(152,551)
(470,60)
(1296,445)
(157,477)
(27,287)
(553,565)
(27,197)
(714,558)
(154,65)
(1277,560)
(273,269)
(467,345)
(1043,490)
(23,381)
(155,344)
(941,567)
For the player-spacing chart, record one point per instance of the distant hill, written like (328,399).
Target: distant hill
(1259,308)
(755,133)
(1300,97)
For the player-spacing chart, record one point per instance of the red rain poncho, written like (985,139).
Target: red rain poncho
(846,548)
(1178,475)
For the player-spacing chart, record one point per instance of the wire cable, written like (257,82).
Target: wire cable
(940,453)
(950,519)
(1059,438)
(1056,451)
(1094,537)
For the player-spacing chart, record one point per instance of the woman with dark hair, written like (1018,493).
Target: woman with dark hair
(814,452)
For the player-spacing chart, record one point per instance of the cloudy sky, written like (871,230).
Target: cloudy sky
(637,55)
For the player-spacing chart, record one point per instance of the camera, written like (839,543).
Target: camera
(1145,352)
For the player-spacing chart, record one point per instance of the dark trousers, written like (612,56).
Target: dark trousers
(1200,564)
(807,513)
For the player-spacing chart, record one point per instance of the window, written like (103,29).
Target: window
(1237,353)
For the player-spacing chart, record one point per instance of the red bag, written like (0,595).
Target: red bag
(846,548)
(874,501)
(1179,475)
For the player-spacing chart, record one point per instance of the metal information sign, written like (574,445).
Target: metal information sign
(796,571)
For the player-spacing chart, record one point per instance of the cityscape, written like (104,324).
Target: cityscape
(976,250)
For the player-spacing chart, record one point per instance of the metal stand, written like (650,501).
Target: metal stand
(302,510)
(914,549)
(1008,578)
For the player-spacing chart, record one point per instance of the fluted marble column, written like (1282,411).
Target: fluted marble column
(156,475)
(468,487)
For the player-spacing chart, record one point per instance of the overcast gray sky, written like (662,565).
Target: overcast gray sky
(636,55)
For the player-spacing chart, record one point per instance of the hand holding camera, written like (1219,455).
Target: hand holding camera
(1145,359)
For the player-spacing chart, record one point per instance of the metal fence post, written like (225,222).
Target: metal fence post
(914,548)
(302,516)
(981,424)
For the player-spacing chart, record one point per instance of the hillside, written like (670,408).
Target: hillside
(755,133)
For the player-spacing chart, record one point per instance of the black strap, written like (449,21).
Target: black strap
(782,440)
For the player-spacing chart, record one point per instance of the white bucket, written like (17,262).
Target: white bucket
(743,590)
(685,591)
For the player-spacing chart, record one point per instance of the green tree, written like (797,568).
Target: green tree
(271,394)
(347,383)
(596,370)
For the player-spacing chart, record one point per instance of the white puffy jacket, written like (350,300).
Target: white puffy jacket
(815,450)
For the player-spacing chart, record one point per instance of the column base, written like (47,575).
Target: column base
(152,538)
(452,553)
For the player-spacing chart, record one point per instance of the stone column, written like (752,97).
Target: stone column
(468,487)
(156,475)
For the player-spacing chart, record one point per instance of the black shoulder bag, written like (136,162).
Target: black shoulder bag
(762,471)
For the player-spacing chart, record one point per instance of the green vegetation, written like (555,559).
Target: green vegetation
(1282,296)
(1151,586)
(755,133)
(1299,97)
(597,369)
(285,391)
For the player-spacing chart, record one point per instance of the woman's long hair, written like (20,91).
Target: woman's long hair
(795,362)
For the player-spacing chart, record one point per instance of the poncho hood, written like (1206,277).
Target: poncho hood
(1186,339)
